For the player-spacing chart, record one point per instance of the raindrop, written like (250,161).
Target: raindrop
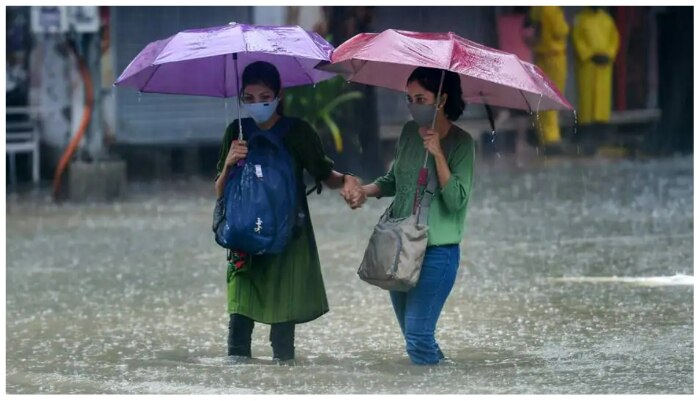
(225,112)
(539,123)
(576,139)
(138,96)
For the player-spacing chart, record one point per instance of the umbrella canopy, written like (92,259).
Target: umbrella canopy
(201,61)
(487,75)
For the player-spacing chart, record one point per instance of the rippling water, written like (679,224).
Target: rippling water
(574,279)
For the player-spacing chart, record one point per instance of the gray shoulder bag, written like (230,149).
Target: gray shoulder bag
(394,256)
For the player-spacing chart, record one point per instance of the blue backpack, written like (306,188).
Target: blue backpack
(257,213)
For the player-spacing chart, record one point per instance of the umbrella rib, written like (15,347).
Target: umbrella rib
(148,81)
(529,75)
(308,34)
(225,87)
(245,43)
(529,108)
(364,63)
(452,53)
(302,69)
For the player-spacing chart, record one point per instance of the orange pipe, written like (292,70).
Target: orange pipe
(84,122)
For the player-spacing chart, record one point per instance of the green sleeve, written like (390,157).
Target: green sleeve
(456,192)
(229,134)
(387,182)
(310,152)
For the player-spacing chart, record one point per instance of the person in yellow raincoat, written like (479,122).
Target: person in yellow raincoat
(550,55)
(596,41)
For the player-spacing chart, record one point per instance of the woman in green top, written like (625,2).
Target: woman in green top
(281,289)
(452,151)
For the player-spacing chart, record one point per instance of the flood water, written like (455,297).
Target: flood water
(574,278)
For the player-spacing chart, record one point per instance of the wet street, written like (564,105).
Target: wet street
(574,278)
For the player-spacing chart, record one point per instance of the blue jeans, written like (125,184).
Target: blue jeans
(418,309)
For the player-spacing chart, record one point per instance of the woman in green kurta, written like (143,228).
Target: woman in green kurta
(281,289)
(452,151)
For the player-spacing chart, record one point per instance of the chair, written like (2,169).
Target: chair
(22,136)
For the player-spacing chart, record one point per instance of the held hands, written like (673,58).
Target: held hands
(352,192)
(238,151)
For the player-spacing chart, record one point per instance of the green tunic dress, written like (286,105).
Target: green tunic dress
(286,287)
(449,207)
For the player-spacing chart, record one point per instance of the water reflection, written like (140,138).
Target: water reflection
(130,297)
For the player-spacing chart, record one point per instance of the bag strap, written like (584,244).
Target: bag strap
(431,189)
(428,194)
(423,209)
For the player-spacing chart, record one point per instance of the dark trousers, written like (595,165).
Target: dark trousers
(240,331)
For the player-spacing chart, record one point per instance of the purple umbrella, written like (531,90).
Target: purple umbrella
(209,61)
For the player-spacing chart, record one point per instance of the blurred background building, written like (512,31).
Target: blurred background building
(163,136)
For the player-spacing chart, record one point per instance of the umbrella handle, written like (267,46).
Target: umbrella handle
(238,104)
(442,80)
(423,174)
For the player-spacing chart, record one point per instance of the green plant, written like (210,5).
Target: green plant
(317,104)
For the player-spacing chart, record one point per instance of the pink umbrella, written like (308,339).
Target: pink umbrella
(487,75)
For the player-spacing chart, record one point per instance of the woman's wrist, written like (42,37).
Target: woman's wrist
(219,184)
(440,157)
(335,180)
(350,176)
(372,190)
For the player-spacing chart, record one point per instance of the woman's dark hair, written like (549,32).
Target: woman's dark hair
(429,78)
(263,73)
